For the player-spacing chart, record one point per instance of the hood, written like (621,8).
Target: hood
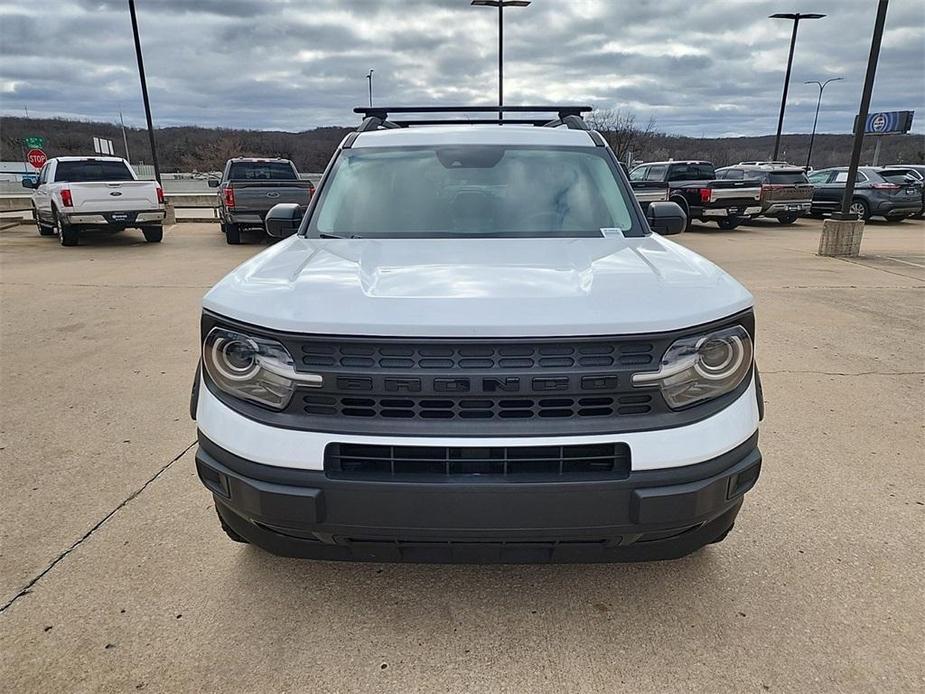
(477,287)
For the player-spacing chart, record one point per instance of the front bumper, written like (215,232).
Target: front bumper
(651,514)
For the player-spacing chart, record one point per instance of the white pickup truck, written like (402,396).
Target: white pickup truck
(77,193)
(474,346)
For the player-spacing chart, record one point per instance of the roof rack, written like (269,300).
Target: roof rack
(378,117)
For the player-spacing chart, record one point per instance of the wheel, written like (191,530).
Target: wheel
(788,218)
(722,536)
(232,234)
(729,223)
(860,208)
(682,203)
(153,234)
(232,535)
(67,235)
(44,229)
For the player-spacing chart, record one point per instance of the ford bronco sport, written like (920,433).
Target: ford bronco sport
(472,346)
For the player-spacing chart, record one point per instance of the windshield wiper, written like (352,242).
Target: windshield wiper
(322,235)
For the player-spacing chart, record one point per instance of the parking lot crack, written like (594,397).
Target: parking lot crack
(25,590)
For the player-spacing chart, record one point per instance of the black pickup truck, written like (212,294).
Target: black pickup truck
(251,186)
(694,186)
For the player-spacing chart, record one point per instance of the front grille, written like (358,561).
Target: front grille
(360,461)
(516,355)
(477,408)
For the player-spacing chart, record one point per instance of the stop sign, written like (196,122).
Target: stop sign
(37,158)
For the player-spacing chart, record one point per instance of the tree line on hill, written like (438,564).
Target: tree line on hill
(191,149)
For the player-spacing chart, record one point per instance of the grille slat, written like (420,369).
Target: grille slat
(363,461)
(538,356)
(477,408)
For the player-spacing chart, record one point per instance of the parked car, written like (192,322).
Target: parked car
(913,171)
(474,348)
(74,194)
(874,195)
(786,193)
(693,186)
(249,187)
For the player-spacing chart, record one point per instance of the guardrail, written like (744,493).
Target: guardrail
(11,204)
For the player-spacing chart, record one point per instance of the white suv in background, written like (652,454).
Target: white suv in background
(473,347)
(77,193)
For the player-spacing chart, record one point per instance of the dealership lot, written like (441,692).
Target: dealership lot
(116,576)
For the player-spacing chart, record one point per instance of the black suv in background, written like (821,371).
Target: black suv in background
(786,193)
(874,194)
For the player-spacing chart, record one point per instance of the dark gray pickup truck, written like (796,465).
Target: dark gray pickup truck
(249,187)
(693,186)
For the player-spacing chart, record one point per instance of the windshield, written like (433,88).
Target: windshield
(898,175)
(691,172)
(471,190)
(261,171)
(90,171)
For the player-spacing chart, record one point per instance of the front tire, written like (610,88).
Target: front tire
(153,234)
(788,218)
(232,234)
(44,229)
(232,535)
(728,224)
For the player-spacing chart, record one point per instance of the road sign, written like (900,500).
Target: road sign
(888,122)
(37,158)
(35,142)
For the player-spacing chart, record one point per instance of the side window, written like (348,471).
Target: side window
(819,177)
(657,173)
(43,175)
(639,173)
(860,178)
(735,174)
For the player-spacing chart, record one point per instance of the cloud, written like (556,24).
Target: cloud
(712,67)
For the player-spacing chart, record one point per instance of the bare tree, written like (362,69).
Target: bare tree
(619,129)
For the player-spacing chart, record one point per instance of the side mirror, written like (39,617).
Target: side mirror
(666,218)
(284,219)
(214,182)
(31,183)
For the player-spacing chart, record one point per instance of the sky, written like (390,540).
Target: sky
(698,67)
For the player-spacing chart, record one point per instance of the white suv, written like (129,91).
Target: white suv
(476,349)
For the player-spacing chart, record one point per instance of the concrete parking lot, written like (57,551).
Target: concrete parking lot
(115,576)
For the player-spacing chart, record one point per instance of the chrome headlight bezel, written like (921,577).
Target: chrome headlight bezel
(252,367)
(702,367)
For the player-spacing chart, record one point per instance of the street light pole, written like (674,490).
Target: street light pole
(369,78)
(795,17)
(500,4)
(144,90)
(812,138)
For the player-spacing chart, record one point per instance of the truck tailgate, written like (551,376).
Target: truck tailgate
(787,192)
(253,196)
(111,196)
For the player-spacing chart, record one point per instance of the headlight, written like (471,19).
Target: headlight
(252,368)
(701,367)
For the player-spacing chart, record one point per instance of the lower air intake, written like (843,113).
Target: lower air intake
(383,463)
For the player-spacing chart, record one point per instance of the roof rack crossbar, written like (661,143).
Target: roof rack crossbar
(384,111)
(469,121)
